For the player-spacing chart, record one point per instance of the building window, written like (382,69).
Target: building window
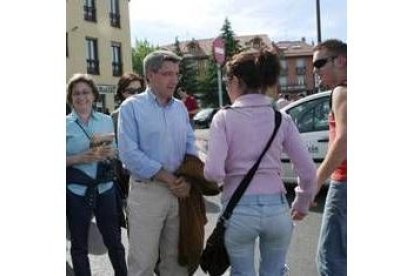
(192,50)
(301,80)
(192,47)
(100,104)
(114,16)
(116,59)
(300,66)
(92,61)
(257,42)
(300,62)
(283,81)
(89,10)
(283,67)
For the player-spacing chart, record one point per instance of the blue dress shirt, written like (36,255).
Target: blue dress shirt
(77,142)
(152,136)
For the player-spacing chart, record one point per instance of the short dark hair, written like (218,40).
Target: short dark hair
(124,81)
(334,46)
(79,77)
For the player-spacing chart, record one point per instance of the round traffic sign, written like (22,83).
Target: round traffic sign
(219,53)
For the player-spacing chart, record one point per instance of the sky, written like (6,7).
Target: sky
(160,21)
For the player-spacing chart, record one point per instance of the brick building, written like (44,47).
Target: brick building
(296,59)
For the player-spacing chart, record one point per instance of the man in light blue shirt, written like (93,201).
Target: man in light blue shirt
(154,134)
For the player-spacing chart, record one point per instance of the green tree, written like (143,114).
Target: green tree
(188,69)
(141,49)
(208,83)
(189,74)
(231,44)
(209,87)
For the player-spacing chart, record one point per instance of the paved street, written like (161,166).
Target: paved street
(301,255)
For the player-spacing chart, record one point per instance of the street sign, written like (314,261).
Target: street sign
(219,53)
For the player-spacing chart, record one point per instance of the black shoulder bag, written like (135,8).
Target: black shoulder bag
(214,259)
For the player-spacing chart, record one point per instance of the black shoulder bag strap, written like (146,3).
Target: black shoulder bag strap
(249,176)
(84,130)
(103,167)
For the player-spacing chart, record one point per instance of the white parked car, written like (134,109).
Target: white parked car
(311,117)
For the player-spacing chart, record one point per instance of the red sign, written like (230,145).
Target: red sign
(219,53)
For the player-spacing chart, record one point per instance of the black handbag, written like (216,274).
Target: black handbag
(214,259)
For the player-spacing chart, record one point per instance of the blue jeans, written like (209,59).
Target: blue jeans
(331,255)
(79,216)
(266,217)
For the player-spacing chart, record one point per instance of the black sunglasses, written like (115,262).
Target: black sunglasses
(133,91)
(321,62)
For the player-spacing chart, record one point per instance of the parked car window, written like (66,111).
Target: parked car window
(305,123)
(321,115)
(311,115)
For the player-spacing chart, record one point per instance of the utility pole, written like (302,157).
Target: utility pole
(220,86)
(318,30)
(219,56)
(318,21)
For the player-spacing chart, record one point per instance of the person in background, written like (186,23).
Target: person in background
(89,190)
(296,97)
(154,136)
(190,103)
(263,211)
(128,85)
(330,63)
(282,101)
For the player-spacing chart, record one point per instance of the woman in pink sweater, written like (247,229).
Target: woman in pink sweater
(238,135)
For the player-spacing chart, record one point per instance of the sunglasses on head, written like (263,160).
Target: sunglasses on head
(321,62)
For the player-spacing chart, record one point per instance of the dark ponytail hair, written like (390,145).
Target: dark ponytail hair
(268,65)
(257,70)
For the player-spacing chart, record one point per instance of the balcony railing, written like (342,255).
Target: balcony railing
(92,66)
(89,13)
(300,70)
(292,86)
(115,19)
(116,69)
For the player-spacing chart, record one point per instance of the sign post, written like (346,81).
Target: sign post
(219,57)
